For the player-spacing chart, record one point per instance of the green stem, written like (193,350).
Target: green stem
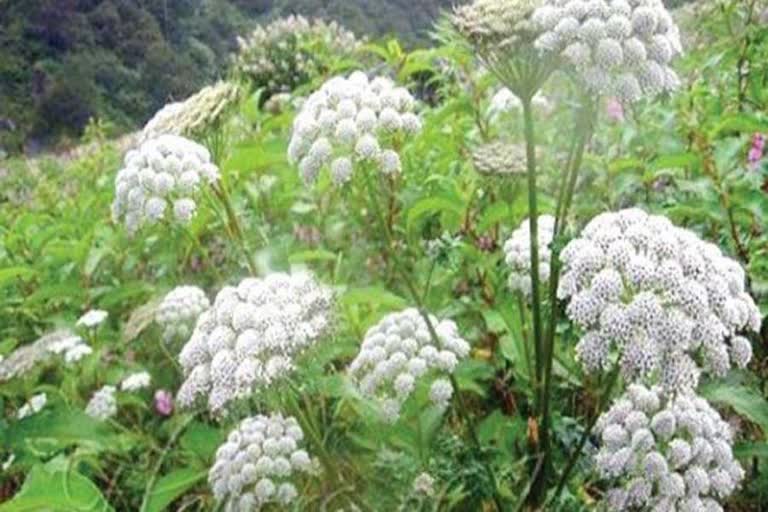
(159,464)
(417,299)
(605,395)
(235,229)
(533,225)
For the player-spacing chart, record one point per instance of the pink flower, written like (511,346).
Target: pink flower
(615,110)
(756,151)
(163,402)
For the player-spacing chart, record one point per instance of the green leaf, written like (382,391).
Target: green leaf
(747,450)
(48,489)
(63,426)
(201,439)
(11,274)
(316,255)
(169,487)
(373,296)
(742,399)
(431,206)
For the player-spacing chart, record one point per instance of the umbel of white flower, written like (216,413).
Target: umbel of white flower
(665,453)
(136,381)
(617,47)
(33,406)
(103,404)
(668,304)
(517,254)
(350,121)
(72,348)
(160,180)
(195,114)
(254,466)
(179,311)
(399,351)
(251,336)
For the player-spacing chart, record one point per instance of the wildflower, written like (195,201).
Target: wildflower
(505,101)
(399,351)
(618,48)
(660,452)
(669,303)
(495,24)
(179,311)
(517,254)
(163,402)
(103,404)
(424,484)
(164,171)
(756,150)
(194,115)
(615,110)
(256,463)
(288,52)
(349,121)
(26,357)
(33,406)
(136,381)
(92,318)
(251,336)
(500,158)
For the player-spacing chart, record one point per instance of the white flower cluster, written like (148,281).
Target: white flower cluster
(505,102)
(617,47)
(162,172)
(398,351)
(103,404)
(351,120)
(136,381)
(33,406)
(72,347)
(251,336)
(665,299)
(92,318)
(665,454)
(291,51)
(517,254)
(254,466)
(493,25)
(195,114)
(501,158)
(179,311)
(24,359)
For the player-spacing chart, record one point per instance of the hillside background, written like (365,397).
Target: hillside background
(63,62)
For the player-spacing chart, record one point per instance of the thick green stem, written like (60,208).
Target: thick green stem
(533,226)
(417,299)
(584,131)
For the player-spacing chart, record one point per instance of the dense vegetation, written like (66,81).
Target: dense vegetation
(64,62)
(108,401)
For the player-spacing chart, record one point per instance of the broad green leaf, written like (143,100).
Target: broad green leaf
(47,489)
(743,400)
(62,426)
(173,485)
(201,439)
(431,206)
(12,274)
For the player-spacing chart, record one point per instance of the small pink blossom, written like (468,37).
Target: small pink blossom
(615,110)
(163,402)
(756,150)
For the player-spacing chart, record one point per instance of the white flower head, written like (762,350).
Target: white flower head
(660,452)
(348,121)
(76,353)
(195,114)
(33,406)
(669,303)
(103,404)
(136,382)
(616,47)
(517,254)
(251,336)
(160,180)
(92,318)
(399,351)
(179,311)
(255,466)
